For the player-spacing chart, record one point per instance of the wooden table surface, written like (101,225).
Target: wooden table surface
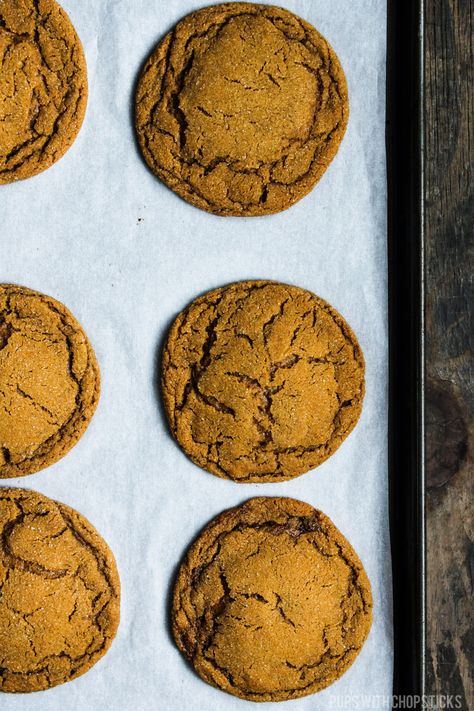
(449,113)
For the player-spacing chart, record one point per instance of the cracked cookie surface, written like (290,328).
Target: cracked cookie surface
(241,108)
(49,381)
(271,602)
(59,593)
(261,381)
(43,86)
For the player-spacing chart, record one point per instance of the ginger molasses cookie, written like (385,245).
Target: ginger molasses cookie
(59,593)
(271,602)
(241,108)
(43,86)
(49,381)
(261,381)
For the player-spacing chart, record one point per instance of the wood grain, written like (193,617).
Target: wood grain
(449,113)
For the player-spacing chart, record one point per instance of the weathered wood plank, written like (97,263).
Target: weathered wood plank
(449,105)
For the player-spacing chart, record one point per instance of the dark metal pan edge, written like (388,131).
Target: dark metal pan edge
(405,128)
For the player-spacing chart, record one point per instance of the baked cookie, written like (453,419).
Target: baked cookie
(261,381)
(241,108)
(59,593)
(43,86)
(49,381)
(271,602)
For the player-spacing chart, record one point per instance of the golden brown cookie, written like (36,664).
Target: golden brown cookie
(49,381)
(261,381)
(43,86)
(271,602)
(241,108)
(59,593)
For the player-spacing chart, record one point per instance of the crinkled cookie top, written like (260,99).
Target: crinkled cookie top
(49,381)
(59,593)
(241,108)
(271,602)
(43,86)
(261,381)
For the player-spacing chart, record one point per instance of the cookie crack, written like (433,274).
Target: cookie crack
(37,405)
(101,565)
(17,562)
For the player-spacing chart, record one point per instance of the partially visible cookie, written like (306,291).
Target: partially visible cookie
(271,602)
(43,86)
(49,381)
(261,381)
(59,593)
(241,108)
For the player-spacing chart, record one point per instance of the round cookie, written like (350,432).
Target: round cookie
(261,381)
(271,602)
(59,593)
(43,86)
(49,381)
(241,108)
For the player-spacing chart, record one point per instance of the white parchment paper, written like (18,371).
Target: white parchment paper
(99,232)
